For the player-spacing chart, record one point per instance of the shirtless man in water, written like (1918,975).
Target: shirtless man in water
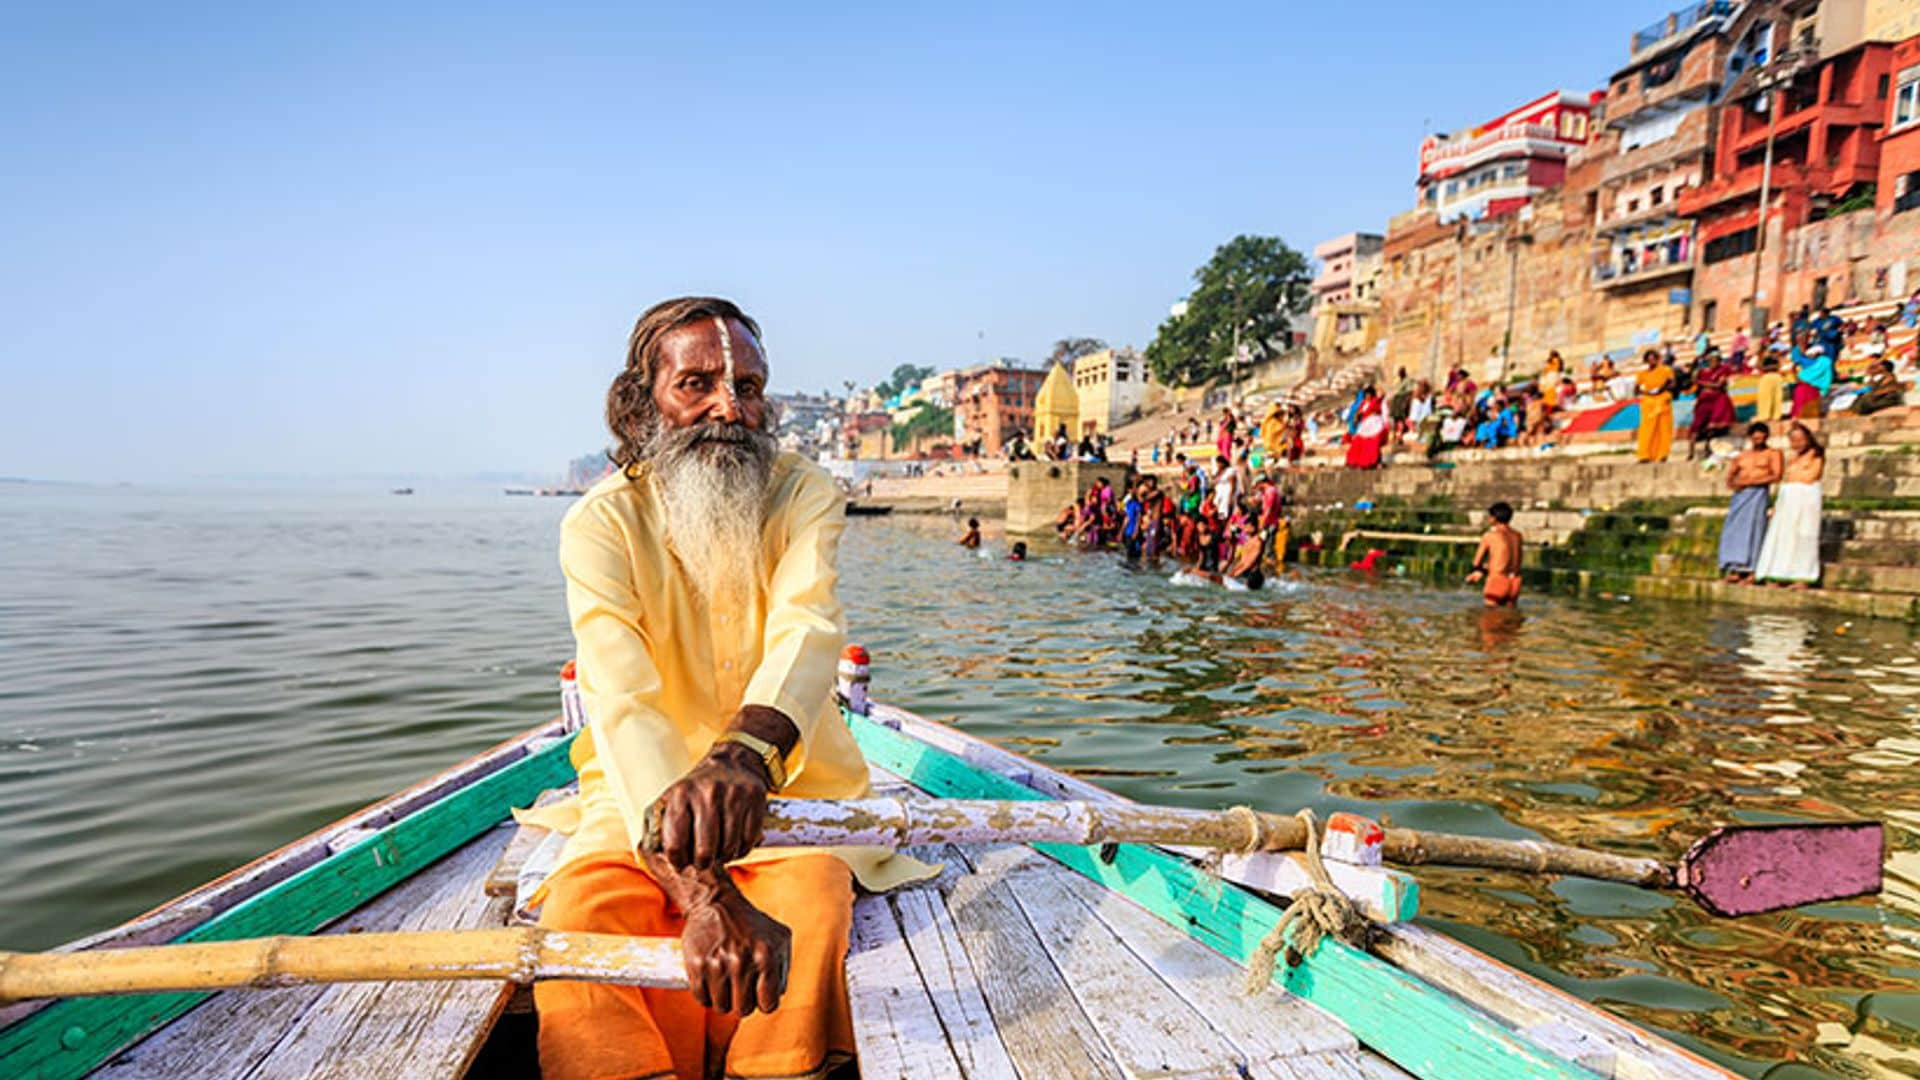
(1498,559)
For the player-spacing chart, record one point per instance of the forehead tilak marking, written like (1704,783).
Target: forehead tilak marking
(726,356)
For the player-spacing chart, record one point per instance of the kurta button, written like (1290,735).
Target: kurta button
(74,1037)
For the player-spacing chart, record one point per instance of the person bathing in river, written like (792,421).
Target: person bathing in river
(1498,559)
(971,538)
(702,591)
(1753,472)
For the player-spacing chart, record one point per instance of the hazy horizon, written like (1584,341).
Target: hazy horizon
(360,241)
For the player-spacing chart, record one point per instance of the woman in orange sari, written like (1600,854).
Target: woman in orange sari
(1656,409)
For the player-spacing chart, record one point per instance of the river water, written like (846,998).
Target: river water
(189,678)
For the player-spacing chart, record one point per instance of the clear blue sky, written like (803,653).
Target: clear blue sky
(349,239)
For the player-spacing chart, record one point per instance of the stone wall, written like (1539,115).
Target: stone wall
(1037,490)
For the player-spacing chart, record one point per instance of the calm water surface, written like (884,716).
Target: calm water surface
(190,678)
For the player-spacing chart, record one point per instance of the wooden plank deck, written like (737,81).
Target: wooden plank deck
(396,1031)
(1011,965)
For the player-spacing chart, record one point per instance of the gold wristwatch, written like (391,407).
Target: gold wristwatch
(769,753)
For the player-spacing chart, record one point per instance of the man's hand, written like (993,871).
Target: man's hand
(736,956)
(1474,578)
(715,813)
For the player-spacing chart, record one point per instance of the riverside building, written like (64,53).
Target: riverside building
(1498,167)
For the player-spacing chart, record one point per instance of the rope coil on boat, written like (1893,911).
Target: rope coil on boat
(1316,912)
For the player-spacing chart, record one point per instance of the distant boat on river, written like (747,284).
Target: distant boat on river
(546,491)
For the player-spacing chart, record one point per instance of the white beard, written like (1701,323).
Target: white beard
(714,505)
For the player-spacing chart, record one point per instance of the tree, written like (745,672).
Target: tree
(928,420)
(1069,349)
(1255,283)
(904,377)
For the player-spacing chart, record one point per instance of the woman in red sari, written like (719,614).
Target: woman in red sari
(1363,446)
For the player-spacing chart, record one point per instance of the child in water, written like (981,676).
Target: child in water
(971,538)
(1498,559)
(1019,552)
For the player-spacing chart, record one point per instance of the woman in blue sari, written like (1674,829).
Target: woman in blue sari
(1813,375)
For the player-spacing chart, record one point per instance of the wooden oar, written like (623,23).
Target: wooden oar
(521,955)
(1734,870)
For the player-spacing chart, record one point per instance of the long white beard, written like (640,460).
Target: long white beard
(713,493)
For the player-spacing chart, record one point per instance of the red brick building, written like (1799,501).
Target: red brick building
(1897,225)
(1824,119)
(994,403)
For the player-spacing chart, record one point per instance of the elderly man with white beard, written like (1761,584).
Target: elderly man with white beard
(701,587)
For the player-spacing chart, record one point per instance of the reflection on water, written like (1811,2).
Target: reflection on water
(187,680)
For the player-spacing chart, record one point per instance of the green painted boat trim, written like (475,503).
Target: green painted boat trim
(71,1038)
(1422,1029)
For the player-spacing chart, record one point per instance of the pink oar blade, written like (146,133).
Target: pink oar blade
(1748,869)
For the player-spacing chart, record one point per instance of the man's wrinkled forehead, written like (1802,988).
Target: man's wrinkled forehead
(713,346)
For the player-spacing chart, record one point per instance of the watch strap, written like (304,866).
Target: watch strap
(769,753)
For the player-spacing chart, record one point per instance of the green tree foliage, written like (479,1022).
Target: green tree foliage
(929,420)
(1256,283)
(1069,349)
(905,377)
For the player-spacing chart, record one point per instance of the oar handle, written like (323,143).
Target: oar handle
(519,955)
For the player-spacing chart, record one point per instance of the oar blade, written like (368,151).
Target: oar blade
(1749,869)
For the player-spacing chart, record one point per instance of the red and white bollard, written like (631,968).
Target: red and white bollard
(1353,839)
(573,710)
(856,675)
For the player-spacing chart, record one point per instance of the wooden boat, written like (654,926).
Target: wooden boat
(858,509)
(1054,961)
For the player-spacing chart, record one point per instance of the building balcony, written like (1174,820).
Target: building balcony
(1745,184)
(1655,36)
(1750,128)
(1641,218)
(1607,276)
(1692,140)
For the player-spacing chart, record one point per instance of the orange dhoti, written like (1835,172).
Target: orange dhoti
(591,1031)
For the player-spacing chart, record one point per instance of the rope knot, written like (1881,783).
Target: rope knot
(1318,911)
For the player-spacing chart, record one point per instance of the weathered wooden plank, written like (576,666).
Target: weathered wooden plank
(896,1029)
(1041,1023)
(1269,1027)
(1419,1027)
(1147,1027)
(68,1038)
(1526,1002)
(241,1034)
(1330,1065)
(951,981)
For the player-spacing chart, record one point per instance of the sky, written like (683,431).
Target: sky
(338,239)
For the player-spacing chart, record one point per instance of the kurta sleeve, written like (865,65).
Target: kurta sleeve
(800,651)
(637,745)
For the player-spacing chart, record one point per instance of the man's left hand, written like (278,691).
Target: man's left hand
(715,813)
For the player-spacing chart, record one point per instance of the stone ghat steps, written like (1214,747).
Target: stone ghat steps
(1646,551)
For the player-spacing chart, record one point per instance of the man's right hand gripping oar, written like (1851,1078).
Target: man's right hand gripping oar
(736,956)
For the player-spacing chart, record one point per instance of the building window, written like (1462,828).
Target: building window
(1656,196)
(1732,245)
(1707,312)
(1906,100)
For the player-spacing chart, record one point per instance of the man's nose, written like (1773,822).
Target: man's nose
(724,407)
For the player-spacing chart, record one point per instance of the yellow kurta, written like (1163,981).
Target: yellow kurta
(661,675)
(1656,413)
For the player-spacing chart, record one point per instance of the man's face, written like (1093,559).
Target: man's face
(1757,439)
(696,384)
